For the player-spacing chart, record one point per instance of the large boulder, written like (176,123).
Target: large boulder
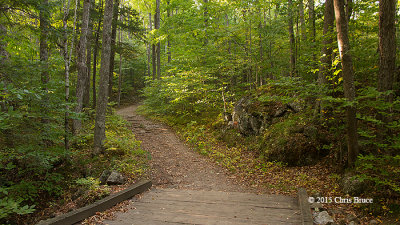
(115,178)
(111,178)
(251,117)
(353,186)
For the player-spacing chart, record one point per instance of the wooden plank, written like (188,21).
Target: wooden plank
(213,196)
(305,207)
(101,205)
(218,209)
(192,218)
(292,204)
(170,206)
(227,204)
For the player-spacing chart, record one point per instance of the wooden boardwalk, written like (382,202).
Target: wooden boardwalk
(177,206)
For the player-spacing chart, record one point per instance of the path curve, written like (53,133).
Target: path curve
(173,163)
(191,189)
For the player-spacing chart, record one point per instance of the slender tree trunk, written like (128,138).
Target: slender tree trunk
(154,60)
(113,38)
(348,9)
(120,71)
(3,44)
(348,80)
(326,52)
(44,55)
(292,40)
(149,49)
(67,62)
(302,22)
(44,16)
(169,41)
(158,48)
(86,94)
(95,54)
(82,66)
(120,61)
(101,107)
(153,54)
(387,46)
(311,15)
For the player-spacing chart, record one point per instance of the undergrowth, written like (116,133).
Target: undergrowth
(69,179)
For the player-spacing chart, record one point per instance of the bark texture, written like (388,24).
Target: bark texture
(44,53)
(326,59)
(81,63)
(158,48)
(326,52)
(101,107)
(348,80)
(149,49)
(95,54)
(291,40)
(113,41)
(387,46)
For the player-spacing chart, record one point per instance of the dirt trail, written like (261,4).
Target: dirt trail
(174,164)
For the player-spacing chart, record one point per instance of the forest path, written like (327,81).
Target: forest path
(174,164)
(191,189)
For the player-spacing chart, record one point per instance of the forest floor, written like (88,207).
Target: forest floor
(179,167)
(183,168)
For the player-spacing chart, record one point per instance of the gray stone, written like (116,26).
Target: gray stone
(373,222)
(103,177)
(353,186)
(322,218)
(115,178)
(353,223)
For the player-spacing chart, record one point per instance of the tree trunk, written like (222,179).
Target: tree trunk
(120,61)
(86,94)
(326,52)
(291,39)
(81,64)
(101,107)
(158,49)
(153,54)
(348,80)
(149,49)
(95,54)
(113,41)
(44,16)
(387,46)
(67,61)
(120,71)
(302,22)
(3,52)
(311,15)
(169,41)
(44,55)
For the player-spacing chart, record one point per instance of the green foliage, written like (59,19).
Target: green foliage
(92,189)
(383,171)
(121,145)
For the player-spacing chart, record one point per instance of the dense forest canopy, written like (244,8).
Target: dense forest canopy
(65,64)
